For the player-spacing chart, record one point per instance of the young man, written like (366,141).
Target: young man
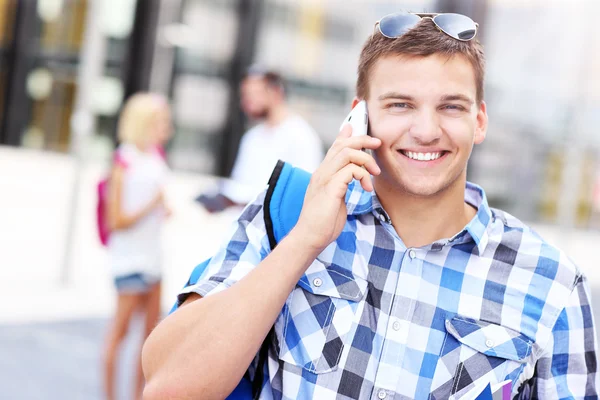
(281,134)
(399,285)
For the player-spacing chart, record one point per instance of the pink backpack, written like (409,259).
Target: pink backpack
(102,202)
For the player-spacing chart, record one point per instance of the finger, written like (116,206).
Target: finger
(351,156)
(354,142)
(346,131)
(350,172)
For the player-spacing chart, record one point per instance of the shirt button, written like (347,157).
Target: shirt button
(489,343)
(396,325)
(412,254)
(382,394)
(382,218)
(317,282)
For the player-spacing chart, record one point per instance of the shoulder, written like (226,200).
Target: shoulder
(253,132)
(252,218)
(124,155)
(531,250)
(539,272)
(159,156)
(538,277)
(300,126)
(252,136)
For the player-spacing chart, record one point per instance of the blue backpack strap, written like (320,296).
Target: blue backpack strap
(284,200)
(282,207)
(283,203)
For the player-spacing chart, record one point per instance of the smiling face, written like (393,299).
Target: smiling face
(425,112)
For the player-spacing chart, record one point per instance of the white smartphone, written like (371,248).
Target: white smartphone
(358,119)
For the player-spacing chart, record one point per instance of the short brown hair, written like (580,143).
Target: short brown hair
(272,79)
(423,40)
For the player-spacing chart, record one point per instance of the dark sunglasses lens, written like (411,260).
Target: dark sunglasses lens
(396,25)
(456,25)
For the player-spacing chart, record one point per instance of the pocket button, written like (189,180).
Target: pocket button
(489,343)
(382,394)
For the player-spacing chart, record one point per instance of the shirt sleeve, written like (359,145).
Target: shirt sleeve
(568,369)
(246,245)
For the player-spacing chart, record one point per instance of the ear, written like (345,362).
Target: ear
(482,124)
(355,102)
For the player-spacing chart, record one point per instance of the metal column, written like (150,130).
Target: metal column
(249,13)
(83,121)
(18,57)
(138,62)
(137,65)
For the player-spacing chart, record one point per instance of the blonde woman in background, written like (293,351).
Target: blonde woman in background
(136,212)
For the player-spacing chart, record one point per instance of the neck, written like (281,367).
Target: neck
(141,147)
(420,220)
(277,115)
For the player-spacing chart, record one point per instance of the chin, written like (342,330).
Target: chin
(424,187)
(257,114)
(422,190)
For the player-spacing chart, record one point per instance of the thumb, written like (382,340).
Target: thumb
(346,131)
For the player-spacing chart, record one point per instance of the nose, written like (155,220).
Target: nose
(425,128)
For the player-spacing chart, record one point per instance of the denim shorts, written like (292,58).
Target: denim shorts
(135,283)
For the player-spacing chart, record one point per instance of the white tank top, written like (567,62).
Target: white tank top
(137,249)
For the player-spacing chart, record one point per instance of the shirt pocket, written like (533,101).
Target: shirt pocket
(475,353)
(319,316)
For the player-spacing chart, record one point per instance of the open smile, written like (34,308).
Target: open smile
(424,157)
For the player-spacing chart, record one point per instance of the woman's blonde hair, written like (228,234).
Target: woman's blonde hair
(136,116)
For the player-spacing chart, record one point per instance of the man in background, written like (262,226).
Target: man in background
(279,134)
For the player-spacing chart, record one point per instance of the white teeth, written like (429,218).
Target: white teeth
(422,156)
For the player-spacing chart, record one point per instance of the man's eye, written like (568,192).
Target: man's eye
(453,107)
(399,105)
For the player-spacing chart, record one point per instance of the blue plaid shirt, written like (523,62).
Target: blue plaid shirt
(373,319)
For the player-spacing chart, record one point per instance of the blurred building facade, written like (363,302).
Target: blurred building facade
(541,157)
(540,160)
(42,45)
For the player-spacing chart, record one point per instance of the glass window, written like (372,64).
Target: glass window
(56,49)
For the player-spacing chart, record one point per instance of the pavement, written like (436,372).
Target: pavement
(61,360)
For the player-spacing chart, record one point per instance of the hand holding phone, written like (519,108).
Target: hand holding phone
(324,210)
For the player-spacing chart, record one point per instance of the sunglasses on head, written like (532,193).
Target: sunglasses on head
(457,26)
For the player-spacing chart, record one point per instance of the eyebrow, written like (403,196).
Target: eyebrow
(395,95)
(448,97)
(459,97)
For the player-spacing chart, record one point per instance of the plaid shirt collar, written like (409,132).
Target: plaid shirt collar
(359,201)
